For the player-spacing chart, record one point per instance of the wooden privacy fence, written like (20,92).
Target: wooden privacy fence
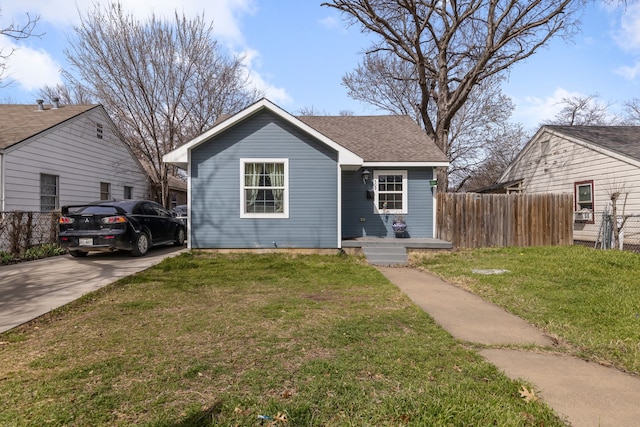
(471,220)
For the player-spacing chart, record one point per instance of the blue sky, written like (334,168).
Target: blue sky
(298,51)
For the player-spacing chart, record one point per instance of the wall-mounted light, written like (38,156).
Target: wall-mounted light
(365,176)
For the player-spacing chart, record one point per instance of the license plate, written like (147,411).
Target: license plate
(86,242)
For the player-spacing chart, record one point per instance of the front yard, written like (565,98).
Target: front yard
(589,299)
(248,340)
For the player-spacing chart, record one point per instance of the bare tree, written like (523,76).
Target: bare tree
(584,111)
(632,112)
(67,94)
(391,85)
(454,46)
(508,140)
(614,219)
(16,32)
(162,81)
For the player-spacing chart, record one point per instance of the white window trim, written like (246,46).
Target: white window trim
(591,201)
(405,192)
(285,213)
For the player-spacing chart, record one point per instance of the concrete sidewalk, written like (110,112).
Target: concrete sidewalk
(584,393)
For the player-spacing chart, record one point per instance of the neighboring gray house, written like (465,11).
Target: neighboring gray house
(590,162)
(52,155)
(263,178)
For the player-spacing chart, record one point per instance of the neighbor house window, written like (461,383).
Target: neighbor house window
(99,130)
(48,192)
(584,195)
(128,192)
(105,191)
(390,192)
(265,189)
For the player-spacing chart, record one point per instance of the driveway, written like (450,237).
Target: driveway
(31,289)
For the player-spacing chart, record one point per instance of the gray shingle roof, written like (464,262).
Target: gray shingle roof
(19,122)
(379,138)
(623,140)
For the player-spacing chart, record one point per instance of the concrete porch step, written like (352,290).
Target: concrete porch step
(386,255)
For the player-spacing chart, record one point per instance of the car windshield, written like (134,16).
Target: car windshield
(182,209)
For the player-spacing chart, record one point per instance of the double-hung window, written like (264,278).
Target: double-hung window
(584,195)
(128,192)
(390,192)
(105,191)
(48,192)
(265,188)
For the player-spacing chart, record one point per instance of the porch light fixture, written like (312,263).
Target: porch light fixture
(365,176)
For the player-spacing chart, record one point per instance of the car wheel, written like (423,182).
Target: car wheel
(180,237)
(78,254)
(141,244)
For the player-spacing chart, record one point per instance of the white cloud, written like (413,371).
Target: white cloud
(225,14)
(330,22)
(278,95)
(532,111)
(628,35)
(32,69)
(629,72)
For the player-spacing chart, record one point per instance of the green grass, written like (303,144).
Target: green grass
(203,340)
(588,298)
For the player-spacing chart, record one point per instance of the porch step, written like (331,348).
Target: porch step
(386,255)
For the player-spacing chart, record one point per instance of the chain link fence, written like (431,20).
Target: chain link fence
(605,236)
(20,231)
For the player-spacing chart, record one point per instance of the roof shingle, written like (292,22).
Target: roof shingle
(379,138)
(19,122)
(623,140)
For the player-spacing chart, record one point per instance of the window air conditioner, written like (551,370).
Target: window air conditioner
(583,215)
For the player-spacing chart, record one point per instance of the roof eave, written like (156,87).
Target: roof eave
(406,164)
(180,156)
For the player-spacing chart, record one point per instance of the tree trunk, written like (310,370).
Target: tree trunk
(614,220)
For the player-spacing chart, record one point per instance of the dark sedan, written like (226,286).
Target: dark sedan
(128,225)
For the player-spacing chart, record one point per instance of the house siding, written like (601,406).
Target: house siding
(356,206)
(215,188)
(72,152)
(565,162)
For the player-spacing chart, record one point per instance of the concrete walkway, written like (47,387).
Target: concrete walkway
(30,289)
(584,393)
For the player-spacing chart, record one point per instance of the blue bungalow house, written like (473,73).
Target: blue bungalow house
(263,178)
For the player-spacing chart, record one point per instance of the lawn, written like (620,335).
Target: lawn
(589,299)
(226,340)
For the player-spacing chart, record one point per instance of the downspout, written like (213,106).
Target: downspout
(1,182)
(339,206)
(434,191)
(189,193)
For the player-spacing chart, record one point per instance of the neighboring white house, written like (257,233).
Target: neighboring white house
(53,155)
(590,162)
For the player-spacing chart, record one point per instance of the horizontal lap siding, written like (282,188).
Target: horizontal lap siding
(355,206)
(80,160)
(566,163)
(215,189)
